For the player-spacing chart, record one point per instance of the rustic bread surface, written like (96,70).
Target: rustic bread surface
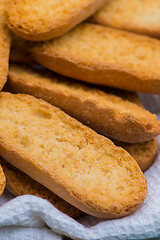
(106,113)
(84,168)
(133,15)
(5,40)
(105,56)
(39,20)
(143,153)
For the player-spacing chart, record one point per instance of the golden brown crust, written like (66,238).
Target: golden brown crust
(134,15)
(143,153)
(64,14)
(5,40)
(93,58)
(19,183)
(2,180)
(106,113)
(87,154)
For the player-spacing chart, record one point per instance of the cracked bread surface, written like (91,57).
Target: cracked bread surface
(134,15)
(39,20)
(5,40)
(20,183)
(104,56)
(84,168)
(106,113)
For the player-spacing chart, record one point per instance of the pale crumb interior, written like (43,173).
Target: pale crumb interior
(141,152)
(41,16)
(106,47)
(73,156)
(134,14)
(121,107)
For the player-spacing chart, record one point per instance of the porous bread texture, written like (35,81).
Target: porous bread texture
(60,92)
(5,40)
(104,56)
(84,168)
(143,153)
(137,16)
(20,51)
(39,20)
(20,183)
(106,113)
(2,180)
(125,95)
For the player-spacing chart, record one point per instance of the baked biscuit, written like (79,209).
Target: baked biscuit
(5,40)
(104,56)
(136,16)
(106,113)
(39,20)
(20,183)
(77,164)
(143,153)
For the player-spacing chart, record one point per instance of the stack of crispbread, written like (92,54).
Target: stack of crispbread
(55,124)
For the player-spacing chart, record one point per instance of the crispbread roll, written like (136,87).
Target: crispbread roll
(5,40)
(20,51)
(143,153)
(20,183)
(105,56)
(39,20)
(106,113)
(134,15)
(84,168)
(2,180)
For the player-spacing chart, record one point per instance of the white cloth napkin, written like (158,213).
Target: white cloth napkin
(29,217)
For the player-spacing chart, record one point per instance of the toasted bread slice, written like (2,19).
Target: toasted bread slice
(105,56)
(39,20)
(137,16)
(20,51)
(20,183)
(84,168)
(2,180)
(5,40)
(143,153)
(106,113)
(125,95)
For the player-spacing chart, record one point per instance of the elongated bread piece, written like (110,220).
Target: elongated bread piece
(5,40)
(84,168)
(143,153)
(106,113)
(105,56)
(39,20)
(2,180)
(61,92)
(133,15)
(20,183)
(20,51)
